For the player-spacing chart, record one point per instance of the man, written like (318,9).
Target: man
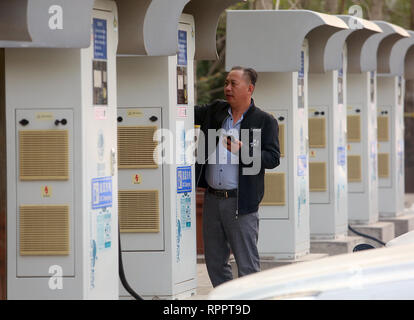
(230,215)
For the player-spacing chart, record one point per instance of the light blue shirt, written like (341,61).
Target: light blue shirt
(224,174)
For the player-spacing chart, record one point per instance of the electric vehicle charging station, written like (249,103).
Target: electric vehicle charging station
(327,132)
(163,242)
(281,57)
(409,75)
(62,221)
(391,92)
(362,124)
(391,89)
(156,91)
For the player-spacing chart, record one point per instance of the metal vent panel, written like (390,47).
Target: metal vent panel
(136,147)
(317,133)
(44,154)
(384,165)
(275,193)
(383,129)
(139,211)
(317,177)
(44,230)
(354,128)
(354,169)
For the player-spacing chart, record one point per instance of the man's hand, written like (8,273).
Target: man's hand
(232,144)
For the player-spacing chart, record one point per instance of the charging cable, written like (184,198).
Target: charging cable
(366,236)
(122,273)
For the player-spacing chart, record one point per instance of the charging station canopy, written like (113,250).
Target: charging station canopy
(149,27)
(47,23)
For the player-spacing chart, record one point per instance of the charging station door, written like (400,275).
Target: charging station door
(355,152)
(44,167)
(140,198)
(275,199)
(318,155)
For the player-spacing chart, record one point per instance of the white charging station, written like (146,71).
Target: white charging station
(157,195)
(61,154)
(157,201)
(362,124)
(328,184)
(281,57)
(391,92)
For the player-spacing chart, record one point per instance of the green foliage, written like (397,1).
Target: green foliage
(211,74)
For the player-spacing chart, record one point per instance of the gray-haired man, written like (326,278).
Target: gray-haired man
(230,216)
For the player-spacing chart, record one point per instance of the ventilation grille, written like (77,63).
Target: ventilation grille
(282,139)
(383,165)
(44,154)
(274,194)
(354,128)
(139,211)
(317,135)
(383,129)
(354,169)
(317,177)
(44,230)
(136,147)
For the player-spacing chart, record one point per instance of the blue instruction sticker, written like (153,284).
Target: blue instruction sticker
(185,208)
(302,165)
(184,179)
(101,192)
(103,230)
(341,156)
(99,39)
(182,48)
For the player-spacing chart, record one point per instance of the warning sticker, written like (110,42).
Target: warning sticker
(46,191)
(136,179)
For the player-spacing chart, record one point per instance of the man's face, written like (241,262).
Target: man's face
(237,88)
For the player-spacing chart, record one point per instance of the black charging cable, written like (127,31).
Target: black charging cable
(366,236)
(122,272)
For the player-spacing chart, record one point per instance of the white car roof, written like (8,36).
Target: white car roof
(369,268)
(406,238)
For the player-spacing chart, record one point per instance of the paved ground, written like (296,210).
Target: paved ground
(204,285)
(409,200)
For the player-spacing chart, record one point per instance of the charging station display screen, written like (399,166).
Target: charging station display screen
(340,86)
(400,90)
(301,82)
(100,83)
(372,86)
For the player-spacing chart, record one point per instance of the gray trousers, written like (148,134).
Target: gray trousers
(223,232)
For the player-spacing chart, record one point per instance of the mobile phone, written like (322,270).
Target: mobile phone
(229,137)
